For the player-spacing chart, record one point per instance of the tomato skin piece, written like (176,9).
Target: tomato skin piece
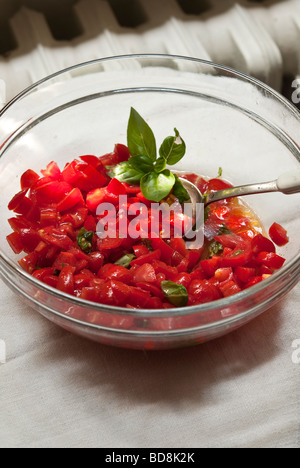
(179,245)
(270,260)
(109,243)
(95,261)
(140,250)
(63,259)
(95,197)
(56,238)
(66,280)
(144,274)
(194,258)
(261,243)
(229,288)
(210,266)
(116,272)
(279,235)
(254,281)
(48,217)
(91,159)
(70,200)
(116,188)
(40,274)
(17,200)
(30,239)
(244,274)
(224,274)
(198,274)
(90,179)
(90,223)
(202,291)
(147,258)
(15,242)
(184,279)
(131,189)
(239,256)
(28,179)
(52,171)
(166,251)
(29,263)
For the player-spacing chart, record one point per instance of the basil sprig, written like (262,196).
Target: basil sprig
(175,293)
(145,168)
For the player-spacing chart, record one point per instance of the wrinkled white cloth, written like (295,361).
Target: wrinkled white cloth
(59,390)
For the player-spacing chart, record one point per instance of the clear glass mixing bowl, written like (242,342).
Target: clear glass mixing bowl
(226,118)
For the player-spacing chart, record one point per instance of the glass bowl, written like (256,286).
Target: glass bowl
(226,118)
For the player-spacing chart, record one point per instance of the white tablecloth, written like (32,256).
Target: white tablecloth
(59,390)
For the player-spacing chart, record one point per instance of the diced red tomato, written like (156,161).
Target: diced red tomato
(17,199)
(262,244)
(15,242)
(66,280)
(52,171)
(70,200)
(203,291)
(144,274)
(270,260)
(55,237)
(147,258)
(229,288)
(28,179)
(279,235)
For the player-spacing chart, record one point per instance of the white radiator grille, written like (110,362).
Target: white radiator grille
(258,37)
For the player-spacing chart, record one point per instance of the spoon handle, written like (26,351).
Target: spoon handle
(288,183)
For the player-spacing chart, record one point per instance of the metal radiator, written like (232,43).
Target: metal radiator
(257,37)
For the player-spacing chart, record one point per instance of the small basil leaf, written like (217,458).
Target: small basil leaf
(125,260)
(160,164)
(155,186)
(140,138)
(141,164)
(179,191)
(125,173)
(173,149)
(85,240)
(175,293)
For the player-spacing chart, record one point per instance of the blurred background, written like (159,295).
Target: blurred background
(258,37)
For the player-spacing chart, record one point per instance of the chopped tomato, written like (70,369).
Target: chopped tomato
(278,235)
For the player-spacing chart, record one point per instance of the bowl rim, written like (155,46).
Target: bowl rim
(161,313)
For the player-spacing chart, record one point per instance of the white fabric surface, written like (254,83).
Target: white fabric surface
(59,390)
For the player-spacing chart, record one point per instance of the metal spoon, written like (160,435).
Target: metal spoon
(288,183)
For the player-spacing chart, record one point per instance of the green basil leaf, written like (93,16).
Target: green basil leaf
(140,138)
(160,164)
(141,164)
(155,186)
(179,191)
(85,240)
(173,149)
(125,173)
(175,293)
(125,260)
